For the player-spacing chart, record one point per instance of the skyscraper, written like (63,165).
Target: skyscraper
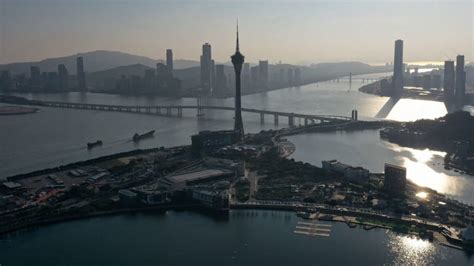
(427,82)
(162,72)
(213,75)
(291,77)
(149,80)
(63,77)
(238,60)
(35,75)
(5,80)
(282,76)
(263,74)
(297,76)
(206,68)
(169,60)
(448,80)
(397,81)
(246,76)
(460,91)
(254,77)
(81,76)
(221,80)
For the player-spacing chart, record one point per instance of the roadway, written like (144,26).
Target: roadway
(177,110)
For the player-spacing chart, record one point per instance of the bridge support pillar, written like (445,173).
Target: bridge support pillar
(306,121)
(168,111)
(180,112)
(291,120)
(200,112)
(262,118)
(275,119)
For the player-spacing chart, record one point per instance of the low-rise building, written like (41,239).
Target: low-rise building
(127,197)
(180,181)
(217,200)
(355,174)
(12,185)
(335,166)
(151,194)
(98,177)
(218,163)
(77,173)
(206,141)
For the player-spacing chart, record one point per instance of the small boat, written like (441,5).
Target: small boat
(91,145)
(138,137)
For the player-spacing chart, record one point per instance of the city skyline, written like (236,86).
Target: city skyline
(327,123)
(302,36)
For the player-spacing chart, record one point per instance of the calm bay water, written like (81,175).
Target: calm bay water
(365,148)
(186,238)
(58,136)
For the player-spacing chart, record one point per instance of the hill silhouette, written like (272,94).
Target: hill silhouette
(93,61)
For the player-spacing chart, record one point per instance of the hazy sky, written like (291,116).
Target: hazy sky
(288,30)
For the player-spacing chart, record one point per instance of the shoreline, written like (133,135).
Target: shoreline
(414,94)
(64,219)
(350,215)
(10,110)
(339,217)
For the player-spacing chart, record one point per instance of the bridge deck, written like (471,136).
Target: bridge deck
(140,108)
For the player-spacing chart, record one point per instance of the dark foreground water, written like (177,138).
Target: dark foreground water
(247,237)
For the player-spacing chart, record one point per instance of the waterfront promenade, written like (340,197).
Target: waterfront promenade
(337,210)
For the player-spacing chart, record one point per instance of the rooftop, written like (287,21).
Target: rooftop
(395,166)
(196,175)
(12,185)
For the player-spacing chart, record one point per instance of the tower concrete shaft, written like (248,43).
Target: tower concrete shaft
(238,60)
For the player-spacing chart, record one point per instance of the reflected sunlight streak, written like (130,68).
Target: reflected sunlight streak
(411,110)
(412,250)
(421,173)
(422,195)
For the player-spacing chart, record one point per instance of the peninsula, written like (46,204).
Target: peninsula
(226,174)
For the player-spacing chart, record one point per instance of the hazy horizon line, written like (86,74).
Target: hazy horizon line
(273,62)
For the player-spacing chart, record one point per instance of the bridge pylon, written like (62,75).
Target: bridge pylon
(200,111)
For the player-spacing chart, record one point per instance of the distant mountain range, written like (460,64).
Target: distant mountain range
(93,61)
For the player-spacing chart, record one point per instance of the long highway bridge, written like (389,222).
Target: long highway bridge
(177,111)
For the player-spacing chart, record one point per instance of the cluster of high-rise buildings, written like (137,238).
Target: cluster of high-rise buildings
(426,80)
(454,77)
(52,81)
(217,79)
(159,81)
